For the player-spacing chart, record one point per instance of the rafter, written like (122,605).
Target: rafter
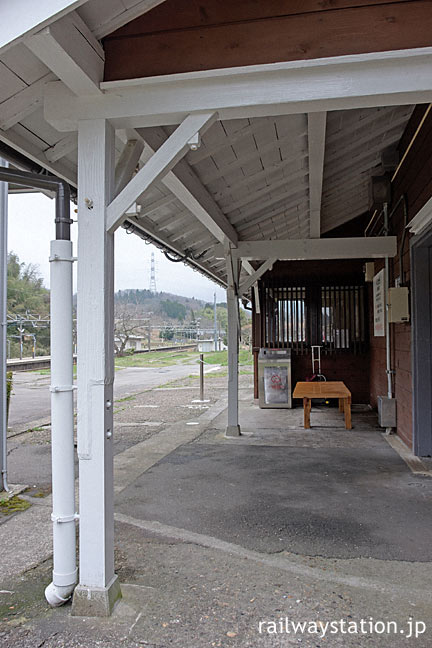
(23,103)
(69,49)
(316,147)
(186,186)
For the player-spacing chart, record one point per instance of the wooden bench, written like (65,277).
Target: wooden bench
(325,389)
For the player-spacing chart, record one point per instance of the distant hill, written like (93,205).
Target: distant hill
(164,306)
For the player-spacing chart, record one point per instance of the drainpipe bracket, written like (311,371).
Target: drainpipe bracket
(62,388)
(64,518)
(56,257)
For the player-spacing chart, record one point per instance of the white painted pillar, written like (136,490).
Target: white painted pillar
(3,328)
(233,427)
(98,588)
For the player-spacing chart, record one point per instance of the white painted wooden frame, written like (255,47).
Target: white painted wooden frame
(97,581)
(334,83)
(257,274)
(159,164)
(316,148)
(304,249)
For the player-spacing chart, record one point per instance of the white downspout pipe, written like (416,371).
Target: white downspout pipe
(3,328)
(62,426)
(389,371)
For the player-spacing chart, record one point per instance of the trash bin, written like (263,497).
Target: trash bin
(274,378)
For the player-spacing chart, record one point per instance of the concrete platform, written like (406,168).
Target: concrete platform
(216,536)
(324,491)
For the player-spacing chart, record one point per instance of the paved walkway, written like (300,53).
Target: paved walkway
(228,542)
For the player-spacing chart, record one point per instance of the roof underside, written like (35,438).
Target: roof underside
(256,170)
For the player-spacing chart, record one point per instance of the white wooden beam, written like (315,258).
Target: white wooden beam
(71,51)
(98,588)
(334,83)
(27,16)
(127,163)
(185,185)
(23,103)
(233,427)
(62,147)
(162,161)
(316,147)
(257,274)
(305,249)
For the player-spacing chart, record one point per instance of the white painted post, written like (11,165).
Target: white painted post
(3,328)
(98,587)
(233,428)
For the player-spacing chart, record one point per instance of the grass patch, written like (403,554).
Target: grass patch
(125,398)
(221,357)
(156,359)
(13,505)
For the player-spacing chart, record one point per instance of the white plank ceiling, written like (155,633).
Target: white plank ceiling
(256,170)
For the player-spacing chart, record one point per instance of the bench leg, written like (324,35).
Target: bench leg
(341,404)
(306,412)
(347,409)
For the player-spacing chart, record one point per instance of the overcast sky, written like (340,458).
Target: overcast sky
(31,228)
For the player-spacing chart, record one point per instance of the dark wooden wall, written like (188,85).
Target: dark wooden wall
(353,369)
(415,181)
(188,35)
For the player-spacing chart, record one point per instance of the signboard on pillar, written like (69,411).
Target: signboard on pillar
(379,304)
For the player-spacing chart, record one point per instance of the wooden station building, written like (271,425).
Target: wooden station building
(244,138)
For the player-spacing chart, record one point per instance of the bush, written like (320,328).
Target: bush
(8,392)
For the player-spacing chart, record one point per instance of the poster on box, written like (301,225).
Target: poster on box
(275,385)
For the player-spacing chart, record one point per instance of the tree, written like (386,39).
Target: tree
(126,325)
(28,299)
(174,309)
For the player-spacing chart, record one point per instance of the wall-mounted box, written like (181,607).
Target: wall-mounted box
(369,270)
(386,412)
(399,304)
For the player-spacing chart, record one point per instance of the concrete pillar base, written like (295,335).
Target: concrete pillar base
(233,431)
(96,601)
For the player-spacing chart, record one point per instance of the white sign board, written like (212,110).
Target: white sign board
(379,304)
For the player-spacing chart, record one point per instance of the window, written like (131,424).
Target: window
(300,316)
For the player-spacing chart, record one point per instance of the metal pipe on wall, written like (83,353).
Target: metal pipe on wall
(3,323)
(62,407)
(62,425)
(387,320)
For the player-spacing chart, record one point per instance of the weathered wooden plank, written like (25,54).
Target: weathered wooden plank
(284,38)
(175,15)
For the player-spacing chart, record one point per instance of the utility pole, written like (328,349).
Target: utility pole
(215,325)
(152,274)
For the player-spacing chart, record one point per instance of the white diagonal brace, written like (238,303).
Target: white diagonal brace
(160,163)
(304,249)
(267,265)
(189,190)
(250,270)
(127,163)
(316,148)
(69,49)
